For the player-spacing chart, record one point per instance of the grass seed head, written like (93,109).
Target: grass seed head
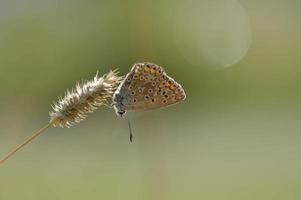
(85,98)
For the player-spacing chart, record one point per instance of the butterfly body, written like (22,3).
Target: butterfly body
(146,87)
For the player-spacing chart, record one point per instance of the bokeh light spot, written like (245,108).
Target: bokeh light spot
(215,32)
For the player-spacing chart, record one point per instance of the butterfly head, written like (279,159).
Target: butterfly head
(119,102)
(119,113)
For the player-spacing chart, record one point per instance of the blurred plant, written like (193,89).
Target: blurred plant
(85,98)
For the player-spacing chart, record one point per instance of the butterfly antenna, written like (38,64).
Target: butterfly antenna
(130,130)
(15,150)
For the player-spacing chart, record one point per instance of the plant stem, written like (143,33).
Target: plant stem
(36,134)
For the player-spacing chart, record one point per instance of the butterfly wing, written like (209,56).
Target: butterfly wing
(147,86)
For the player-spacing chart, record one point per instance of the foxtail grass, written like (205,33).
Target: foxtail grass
(77,103)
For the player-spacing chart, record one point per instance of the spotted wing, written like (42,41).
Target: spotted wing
(147,86)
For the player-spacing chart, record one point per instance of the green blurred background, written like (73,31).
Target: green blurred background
(235,137)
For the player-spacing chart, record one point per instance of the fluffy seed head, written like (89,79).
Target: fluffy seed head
(85,98)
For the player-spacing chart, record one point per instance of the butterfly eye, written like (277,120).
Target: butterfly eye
(164,101)
(153,83)
(166,96)
(164,92)
(150,91)
(141,78)
(146,97)
(130,87)
(134,100)
(128,79)
(120,113)
(133,93)
(153,100)
(135,76)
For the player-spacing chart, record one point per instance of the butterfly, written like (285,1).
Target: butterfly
(146,87)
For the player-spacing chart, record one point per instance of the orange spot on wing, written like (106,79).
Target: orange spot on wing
(173,86)
(146,68)
(152,71)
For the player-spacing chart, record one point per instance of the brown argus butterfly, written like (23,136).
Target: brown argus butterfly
(146,87)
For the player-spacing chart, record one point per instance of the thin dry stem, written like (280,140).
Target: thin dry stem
(20,146)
